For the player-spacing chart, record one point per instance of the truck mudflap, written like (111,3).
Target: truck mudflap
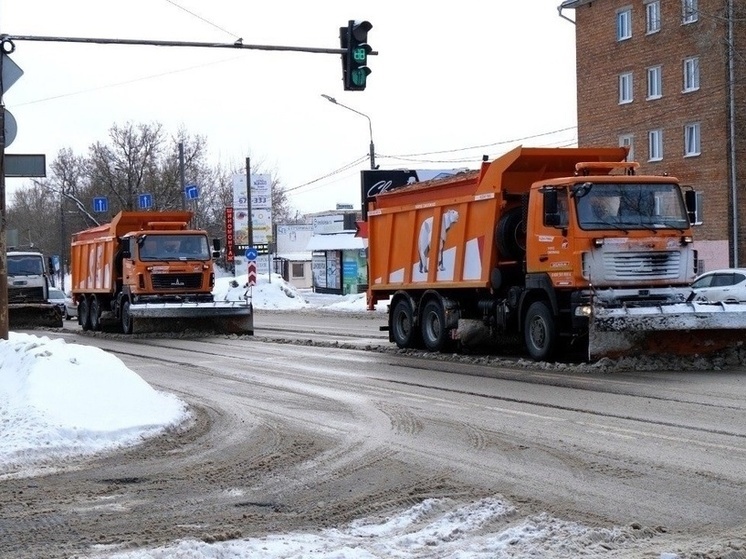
(224,317)
(675,329)
(34,315)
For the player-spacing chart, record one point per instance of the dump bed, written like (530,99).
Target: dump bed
(446,232)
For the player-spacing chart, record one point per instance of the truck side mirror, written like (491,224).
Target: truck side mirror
(551,209)
(693,201)
(126,250)
(216,248)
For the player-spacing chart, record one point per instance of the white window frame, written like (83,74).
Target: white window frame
(692,139)
(655,145)
(689,11)
(626,94)
(691,74)
(624,24)
(653,16)
(655,82)
(628,140)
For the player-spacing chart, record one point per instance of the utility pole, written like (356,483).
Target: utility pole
(3,223)
(181,175)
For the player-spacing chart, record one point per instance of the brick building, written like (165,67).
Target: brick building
(668,79)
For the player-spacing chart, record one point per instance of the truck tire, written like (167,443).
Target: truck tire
(94,309)
(510,235)
(126,318)
(404,333)
(84,313)
(435,336)
(540,332)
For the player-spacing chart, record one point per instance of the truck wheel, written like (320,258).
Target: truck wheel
(84,313)
(401,323)
(95,312)
(126,318)
(540,332)
(434,332)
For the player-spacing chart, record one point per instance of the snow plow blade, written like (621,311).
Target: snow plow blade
(672,329)
(34,315)
(218,317)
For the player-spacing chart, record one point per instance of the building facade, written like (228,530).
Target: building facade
(667,78)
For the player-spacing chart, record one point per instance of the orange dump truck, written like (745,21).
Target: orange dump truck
(148,271)
(567,249)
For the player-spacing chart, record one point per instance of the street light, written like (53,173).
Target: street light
(370,127)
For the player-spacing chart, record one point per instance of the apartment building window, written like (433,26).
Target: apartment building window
(691,139)
(624,24)
(689,11)
(655,145)
(691,74)
(653,16)
(655,82)
(625,88)
(627,141)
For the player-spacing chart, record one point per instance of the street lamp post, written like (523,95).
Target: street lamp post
(370,126)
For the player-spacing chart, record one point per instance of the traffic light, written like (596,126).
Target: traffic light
(353,40)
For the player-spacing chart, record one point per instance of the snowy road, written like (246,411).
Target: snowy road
(290,437)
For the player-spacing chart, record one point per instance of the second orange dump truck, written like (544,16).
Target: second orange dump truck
(149,271)
(567,248)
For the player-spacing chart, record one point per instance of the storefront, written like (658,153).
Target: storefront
(339,263)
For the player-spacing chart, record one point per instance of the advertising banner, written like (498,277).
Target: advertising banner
(374,182)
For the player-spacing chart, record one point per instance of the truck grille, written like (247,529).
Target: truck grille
(25,294)
(177,281)
(657,265)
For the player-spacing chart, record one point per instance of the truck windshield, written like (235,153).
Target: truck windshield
(630,206)
(25,265)
(173,247)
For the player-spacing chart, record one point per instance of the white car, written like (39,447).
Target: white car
(57,297)
(67,304)
(727,285)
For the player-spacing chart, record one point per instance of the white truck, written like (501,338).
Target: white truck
(28,292)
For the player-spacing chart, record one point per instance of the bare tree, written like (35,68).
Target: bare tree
(137,159)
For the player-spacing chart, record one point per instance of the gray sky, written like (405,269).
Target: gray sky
(470,74)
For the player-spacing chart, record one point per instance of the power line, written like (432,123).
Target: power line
(216,26)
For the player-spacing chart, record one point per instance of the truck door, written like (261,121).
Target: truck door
(549,246)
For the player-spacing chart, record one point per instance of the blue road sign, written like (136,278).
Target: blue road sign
(145,201)
(251,253)
(191,192)
(100,204)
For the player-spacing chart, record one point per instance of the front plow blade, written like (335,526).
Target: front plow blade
(221,318)
(676,329)
(34,315)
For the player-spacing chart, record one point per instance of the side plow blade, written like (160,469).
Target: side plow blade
(222,318)
(675,329)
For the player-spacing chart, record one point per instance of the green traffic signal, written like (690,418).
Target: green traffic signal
(353,39)
(359,76)
(360,54)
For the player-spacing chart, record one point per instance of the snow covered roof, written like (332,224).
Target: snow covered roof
(295,256)
(337,241)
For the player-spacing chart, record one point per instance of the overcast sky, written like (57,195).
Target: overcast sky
(471,74)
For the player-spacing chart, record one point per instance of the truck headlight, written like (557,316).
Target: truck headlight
(583,310)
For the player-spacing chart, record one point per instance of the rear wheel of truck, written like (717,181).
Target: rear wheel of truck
(126,318)
(403,330)
(540,332)
(434,332)
(94,310)
(84,313)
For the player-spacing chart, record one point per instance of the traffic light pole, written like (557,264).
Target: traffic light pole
(370,127)
(236,45)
